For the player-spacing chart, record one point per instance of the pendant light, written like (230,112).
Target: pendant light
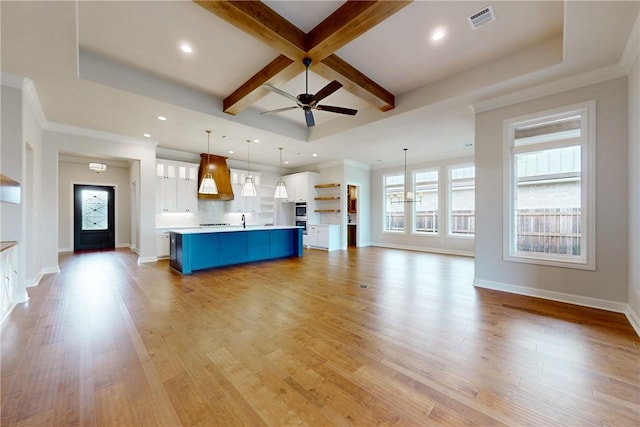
(208,184)
(281,188)
(249,187)
(408,194)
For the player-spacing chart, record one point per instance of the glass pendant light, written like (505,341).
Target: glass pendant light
(208,184)
(249,187)
(281,188)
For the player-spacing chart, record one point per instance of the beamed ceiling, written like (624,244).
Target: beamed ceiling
(115,66)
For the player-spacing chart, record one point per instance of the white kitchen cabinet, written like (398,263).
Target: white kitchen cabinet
(8,263)
(176,186)
(323,236)
(300,186)
(244,204)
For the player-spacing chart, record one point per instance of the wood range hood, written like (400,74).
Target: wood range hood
(217,165)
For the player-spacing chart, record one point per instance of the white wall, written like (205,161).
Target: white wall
(406,240)
(608,283)
(74,140)
(634,191)
(11,159)
(71,173)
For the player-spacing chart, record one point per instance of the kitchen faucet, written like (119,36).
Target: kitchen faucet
(244,222)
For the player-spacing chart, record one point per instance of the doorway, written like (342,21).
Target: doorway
(93,217)
(352,215)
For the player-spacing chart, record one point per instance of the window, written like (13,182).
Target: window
(549,191)
(393,203)
(425,206)
(462,200)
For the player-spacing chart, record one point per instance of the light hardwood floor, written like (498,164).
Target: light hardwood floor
(368,337)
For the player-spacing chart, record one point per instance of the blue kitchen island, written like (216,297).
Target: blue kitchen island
(192,249)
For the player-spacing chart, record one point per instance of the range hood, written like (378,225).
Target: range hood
(217,165)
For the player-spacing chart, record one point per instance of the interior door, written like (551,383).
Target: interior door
(94,217)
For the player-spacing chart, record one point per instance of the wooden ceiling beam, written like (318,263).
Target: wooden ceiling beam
(344,25)
(355,82)
(258,20)
(277,72)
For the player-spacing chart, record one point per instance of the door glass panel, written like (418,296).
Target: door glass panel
(95,214)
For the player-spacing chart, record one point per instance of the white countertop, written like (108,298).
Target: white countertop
(231,228)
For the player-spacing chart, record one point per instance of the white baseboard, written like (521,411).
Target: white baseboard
(30,283)
(423,249)
(142,260)
(633,318)
(618,307)
(50,270)
(64,250)
(123,245)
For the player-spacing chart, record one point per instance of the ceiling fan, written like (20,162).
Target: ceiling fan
(309,102)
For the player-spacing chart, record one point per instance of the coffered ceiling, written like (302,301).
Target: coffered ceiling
(115,66)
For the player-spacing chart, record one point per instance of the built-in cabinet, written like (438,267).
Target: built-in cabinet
(162,244)
(300,186)
(9,265)
(323,236)
(176,186)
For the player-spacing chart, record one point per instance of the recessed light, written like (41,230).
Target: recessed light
(314,155)
(186,48)
(147,135)
(438,34)
(231,151)
(162,118)
(257,141)
(286,162)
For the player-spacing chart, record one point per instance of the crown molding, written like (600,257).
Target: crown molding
(31,95)
(11,80)
(91,133)
(632,47)
(565,84)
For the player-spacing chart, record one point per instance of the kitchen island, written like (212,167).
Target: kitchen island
(200,248)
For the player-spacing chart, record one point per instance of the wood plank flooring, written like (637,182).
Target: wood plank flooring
(367,336)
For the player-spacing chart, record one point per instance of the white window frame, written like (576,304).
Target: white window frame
(384,203)
(587,142)
(416,203)
(450,201)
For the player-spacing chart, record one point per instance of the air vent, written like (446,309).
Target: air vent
(481,17)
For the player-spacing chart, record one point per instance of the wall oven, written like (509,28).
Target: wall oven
(301,210)
(301,216)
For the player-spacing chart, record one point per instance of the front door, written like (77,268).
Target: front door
(94,217)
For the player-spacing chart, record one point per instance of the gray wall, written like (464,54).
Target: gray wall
(609,281)
(634,189)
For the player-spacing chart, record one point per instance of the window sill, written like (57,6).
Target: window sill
(579,265)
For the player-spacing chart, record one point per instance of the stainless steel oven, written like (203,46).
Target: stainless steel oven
(301,210)
(303,224)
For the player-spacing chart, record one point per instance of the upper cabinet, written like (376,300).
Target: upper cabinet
(300,186)
(244,204)
(176,186)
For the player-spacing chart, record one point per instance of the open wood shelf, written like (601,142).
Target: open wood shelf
(328,198)
(327,185)
(327,210)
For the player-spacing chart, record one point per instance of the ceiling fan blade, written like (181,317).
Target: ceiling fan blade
(326,91)
(308,115)
(279,110)
(280,92)
(339,110)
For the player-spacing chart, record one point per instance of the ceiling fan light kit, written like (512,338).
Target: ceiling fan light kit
(309,102)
